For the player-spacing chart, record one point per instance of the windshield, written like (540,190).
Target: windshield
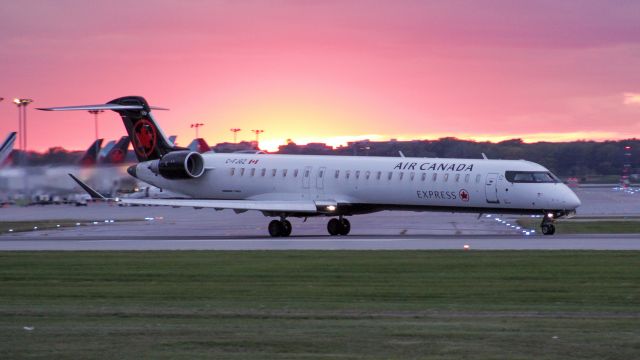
(530,177)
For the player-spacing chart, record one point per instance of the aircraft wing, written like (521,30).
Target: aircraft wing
(288,206)
(260,205)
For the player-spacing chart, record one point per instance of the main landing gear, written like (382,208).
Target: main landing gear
(340,226)
(547,225)
(280,228)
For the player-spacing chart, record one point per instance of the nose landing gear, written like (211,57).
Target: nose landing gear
(547,225)
(340,226)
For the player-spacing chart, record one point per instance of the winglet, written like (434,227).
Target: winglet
(94,194)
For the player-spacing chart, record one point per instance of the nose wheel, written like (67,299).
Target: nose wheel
(280,228)
(338,227)
(547,226)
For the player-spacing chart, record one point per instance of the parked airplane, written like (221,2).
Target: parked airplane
(335,186)
(7,147)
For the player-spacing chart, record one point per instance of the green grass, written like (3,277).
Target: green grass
(587,226)
(310,305)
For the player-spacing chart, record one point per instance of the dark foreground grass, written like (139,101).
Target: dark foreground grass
(310,305)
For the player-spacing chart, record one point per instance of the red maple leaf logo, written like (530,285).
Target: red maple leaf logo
(464,195)
(117,156)
(145,137)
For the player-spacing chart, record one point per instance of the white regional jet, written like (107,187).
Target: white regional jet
(285,186)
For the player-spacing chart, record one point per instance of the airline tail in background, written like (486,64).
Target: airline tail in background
(90,157)
(199,145)
(118,153)
(7,147)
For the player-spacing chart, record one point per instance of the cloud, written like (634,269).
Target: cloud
(631,98)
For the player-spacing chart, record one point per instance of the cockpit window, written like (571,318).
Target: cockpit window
(530,177)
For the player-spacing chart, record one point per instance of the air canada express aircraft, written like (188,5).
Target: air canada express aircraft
(285,186)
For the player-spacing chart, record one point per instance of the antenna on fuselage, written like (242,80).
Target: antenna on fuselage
(485,156)
(401,153)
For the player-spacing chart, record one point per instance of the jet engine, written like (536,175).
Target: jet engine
(179,165)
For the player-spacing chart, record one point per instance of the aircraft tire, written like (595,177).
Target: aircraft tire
(334,227)
(345,226)
(548,229)
(286,228)
(276,228)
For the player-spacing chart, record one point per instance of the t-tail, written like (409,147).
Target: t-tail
(148,140)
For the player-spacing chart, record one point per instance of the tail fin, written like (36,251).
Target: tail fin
(199,145)
(90,157)
(105,150)
(149,142)
(118,152)
(172,140)
(7,147)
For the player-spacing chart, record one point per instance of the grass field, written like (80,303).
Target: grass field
(600,226)
(320,305)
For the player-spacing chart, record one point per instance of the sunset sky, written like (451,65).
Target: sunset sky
(329,71)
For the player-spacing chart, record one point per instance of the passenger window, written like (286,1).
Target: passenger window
(367,175)
(263,172)
(337,174)
(273,172)
(320,173)
(457,177)
(478,178)
(390,175)
(357,174)
(401,175)
(306,173)
(424,176)
(253,171)
(284,172)
(347,174)
(446,177)
(378,175)
(241,171)
(411,176)
(233,171)
(295,173)
(434,177)
(466,178)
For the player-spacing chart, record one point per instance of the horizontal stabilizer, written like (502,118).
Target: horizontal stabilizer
(113,107)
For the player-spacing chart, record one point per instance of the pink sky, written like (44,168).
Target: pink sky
(327,70)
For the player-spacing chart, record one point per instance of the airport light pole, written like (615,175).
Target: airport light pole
(22,120)
(197,125)
(257,132)
(95,114)
(235,134)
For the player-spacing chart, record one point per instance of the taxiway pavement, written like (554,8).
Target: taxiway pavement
(109,227)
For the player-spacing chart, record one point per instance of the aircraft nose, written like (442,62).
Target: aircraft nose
(132,170)
(572,200)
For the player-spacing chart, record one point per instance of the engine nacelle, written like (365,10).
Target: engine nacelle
(179,165)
